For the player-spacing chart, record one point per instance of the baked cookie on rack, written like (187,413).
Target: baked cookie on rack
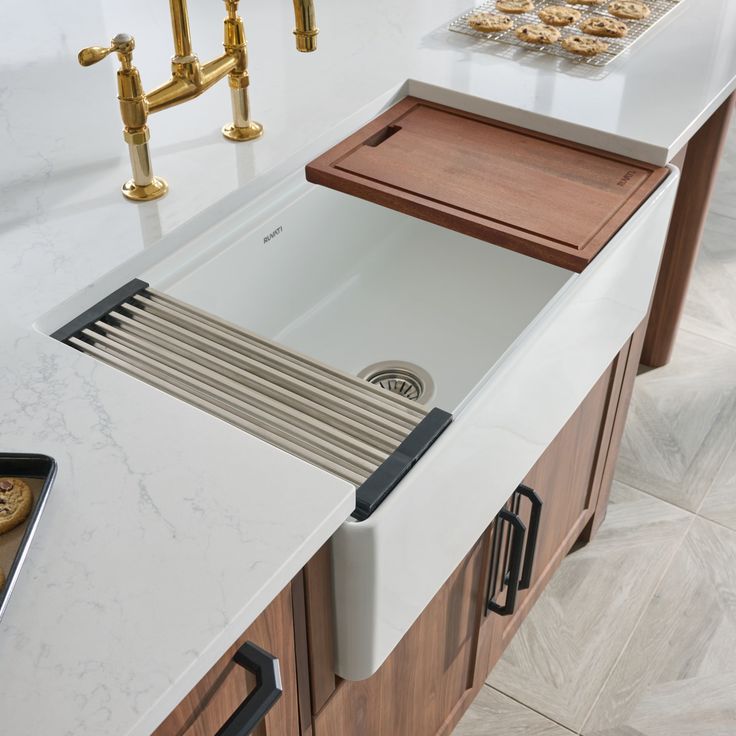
(600,25)
(629,9)
(537,33)
(514,6)
(583,45)
(490,22)
(559,15)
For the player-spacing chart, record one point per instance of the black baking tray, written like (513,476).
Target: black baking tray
(28,467)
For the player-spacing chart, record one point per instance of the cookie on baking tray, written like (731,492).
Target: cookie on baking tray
(559,15)
(629,9)
(490,22)
(16,500)
(514,6)
(583,45)
(537,33)
(599,25)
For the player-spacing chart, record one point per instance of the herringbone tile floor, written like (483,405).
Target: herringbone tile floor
(636,633)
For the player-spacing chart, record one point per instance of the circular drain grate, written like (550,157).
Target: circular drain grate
(405,379)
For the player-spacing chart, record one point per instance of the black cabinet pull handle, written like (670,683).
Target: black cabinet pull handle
(518,532)
(533,533)
(268,690)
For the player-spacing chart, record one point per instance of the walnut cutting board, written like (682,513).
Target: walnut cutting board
(548,198)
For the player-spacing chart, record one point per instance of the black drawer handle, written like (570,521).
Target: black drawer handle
(531,540)
(268,690)
(518,532)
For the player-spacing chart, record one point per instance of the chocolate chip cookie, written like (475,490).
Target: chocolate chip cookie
(514,6)
(599,25)
(490,22)
(16,500)
(559,15)
(537,33)
(583,45)
(630,9)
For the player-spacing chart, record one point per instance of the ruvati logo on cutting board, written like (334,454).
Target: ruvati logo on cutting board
(626,178)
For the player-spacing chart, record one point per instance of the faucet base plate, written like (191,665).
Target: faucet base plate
(157,188)
(245,133)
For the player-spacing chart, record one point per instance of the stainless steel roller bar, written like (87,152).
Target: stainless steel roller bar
(254,429)
(269,379)
(331,419)
(229,402)
(276,410)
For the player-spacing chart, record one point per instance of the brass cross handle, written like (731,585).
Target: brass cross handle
(123,43)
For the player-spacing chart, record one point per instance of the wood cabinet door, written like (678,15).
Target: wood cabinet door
(208,706)
(426,677)
(567,480)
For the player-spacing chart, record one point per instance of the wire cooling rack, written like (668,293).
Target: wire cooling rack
(616,46)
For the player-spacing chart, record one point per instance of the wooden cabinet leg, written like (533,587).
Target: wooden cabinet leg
(683,240)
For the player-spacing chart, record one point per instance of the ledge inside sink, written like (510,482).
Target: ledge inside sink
(352,284)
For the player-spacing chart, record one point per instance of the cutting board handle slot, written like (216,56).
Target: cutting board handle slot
(383,135)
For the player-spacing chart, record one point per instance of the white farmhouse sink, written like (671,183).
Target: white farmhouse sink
(353,284)
(512,345)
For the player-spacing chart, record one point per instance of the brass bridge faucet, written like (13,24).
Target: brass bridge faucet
(189,78)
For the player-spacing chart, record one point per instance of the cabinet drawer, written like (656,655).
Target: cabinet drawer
(222,692)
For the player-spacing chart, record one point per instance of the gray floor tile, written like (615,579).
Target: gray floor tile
(677,676)
(564,651)
(494,714)
(720,503)
(681,424)
(711,302)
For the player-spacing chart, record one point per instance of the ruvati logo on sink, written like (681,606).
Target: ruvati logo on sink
(273,234)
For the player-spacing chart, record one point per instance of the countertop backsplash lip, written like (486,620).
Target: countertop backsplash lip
(65,227)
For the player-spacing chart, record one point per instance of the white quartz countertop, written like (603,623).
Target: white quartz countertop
(168,531)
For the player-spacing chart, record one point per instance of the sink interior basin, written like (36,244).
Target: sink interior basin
(353,284)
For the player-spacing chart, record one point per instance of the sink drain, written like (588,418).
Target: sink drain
(406,379)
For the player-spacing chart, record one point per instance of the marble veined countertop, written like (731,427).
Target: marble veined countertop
(167,531)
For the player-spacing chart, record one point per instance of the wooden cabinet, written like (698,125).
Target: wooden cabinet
(572,480)
(219,694)
(426,677)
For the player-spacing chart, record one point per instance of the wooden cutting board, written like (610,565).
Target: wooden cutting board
(538,195)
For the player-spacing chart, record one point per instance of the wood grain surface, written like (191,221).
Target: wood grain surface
(525,191)
(226,685)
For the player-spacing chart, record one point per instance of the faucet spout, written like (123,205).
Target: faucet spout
(180,28)
(306,25)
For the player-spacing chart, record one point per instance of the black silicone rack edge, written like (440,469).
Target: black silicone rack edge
(97,311)
(371,494)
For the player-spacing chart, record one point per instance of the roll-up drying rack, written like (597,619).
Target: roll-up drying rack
(340,423)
